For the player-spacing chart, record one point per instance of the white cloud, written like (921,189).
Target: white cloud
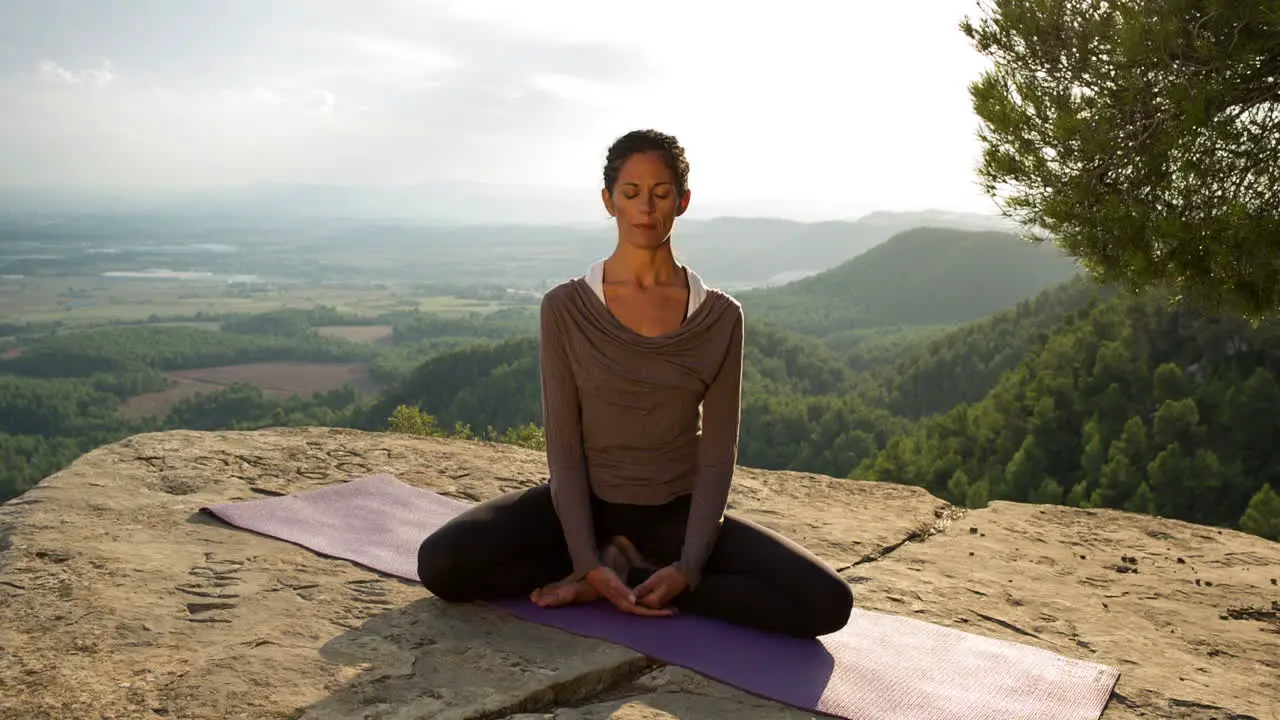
(846,107)
(280,97)
(100,76)
(569,87)
(399,55)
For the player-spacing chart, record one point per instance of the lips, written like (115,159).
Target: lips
(645,226)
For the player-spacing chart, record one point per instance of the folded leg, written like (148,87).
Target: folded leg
(501,548)
(758,578)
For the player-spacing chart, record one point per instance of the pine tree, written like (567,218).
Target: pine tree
(1170,383)
(958,487)
(1262,517)
(1142,501)
(1048,493)
(1094,457)
(1122,474)
(1133,132)
(979,494)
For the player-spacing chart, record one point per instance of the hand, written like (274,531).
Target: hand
(610,586)
(662,587)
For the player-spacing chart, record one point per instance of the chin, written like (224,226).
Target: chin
(646,240)
(647,244)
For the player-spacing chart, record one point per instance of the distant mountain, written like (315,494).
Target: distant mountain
(938,218)
(438,202)
(731,253)
(435,202)
(750,252)
(924,276)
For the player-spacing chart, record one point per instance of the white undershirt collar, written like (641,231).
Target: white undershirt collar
(697,290)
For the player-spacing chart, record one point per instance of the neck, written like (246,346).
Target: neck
(642,267)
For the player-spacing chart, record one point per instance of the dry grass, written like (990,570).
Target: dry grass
(281,379)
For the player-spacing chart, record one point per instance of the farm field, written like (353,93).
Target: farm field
(371,334)
(281,379)
(94,301)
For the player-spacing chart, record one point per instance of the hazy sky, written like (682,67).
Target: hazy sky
(845,106)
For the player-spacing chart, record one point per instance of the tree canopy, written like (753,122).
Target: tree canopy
(1079,396)
(1143,137)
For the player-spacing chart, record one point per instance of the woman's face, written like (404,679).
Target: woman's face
(644,201)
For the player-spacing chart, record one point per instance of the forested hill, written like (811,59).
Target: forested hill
(963,365)
(488,384)
(496,384)
(1079,396)
(1136,403)
(924,276)
(733,249)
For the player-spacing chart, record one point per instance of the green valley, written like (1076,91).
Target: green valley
(960,360)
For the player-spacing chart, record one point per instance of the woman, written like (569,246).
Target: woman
(641,387)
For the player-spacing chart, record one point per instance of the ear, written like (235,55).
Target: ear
(684,202)
(608,201)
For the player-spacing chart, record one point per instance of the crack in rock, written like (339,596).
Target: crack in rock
(943,517)
(577,691)
(1006,624)
(1213,710)
(1178,708)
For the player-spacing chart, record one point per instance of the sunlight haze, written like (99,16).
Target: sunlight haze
(800,109)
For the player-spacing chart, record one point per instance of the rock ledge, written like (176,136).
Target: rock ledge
(121,600)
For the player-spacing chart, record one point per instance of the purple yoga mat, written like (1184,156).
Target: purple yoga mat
(880,666)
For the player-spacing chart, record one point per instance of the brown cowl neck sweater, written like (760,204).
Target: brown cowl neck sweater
(640,420)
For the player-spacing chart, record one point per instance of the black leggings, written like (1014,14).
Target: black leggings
(509,546)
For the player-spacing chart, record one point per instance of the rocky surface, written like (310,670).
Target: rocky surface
(120,600)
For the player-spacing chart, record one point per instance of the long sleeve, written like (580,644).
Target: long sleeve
(717,456)
(562,426)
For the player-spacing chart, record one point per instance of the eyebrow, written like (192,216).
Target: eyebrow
(636,184)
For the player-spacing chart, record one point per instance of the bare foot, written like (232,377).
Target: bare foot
(619,555)
(613,557)
(564,592)
(633,557)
